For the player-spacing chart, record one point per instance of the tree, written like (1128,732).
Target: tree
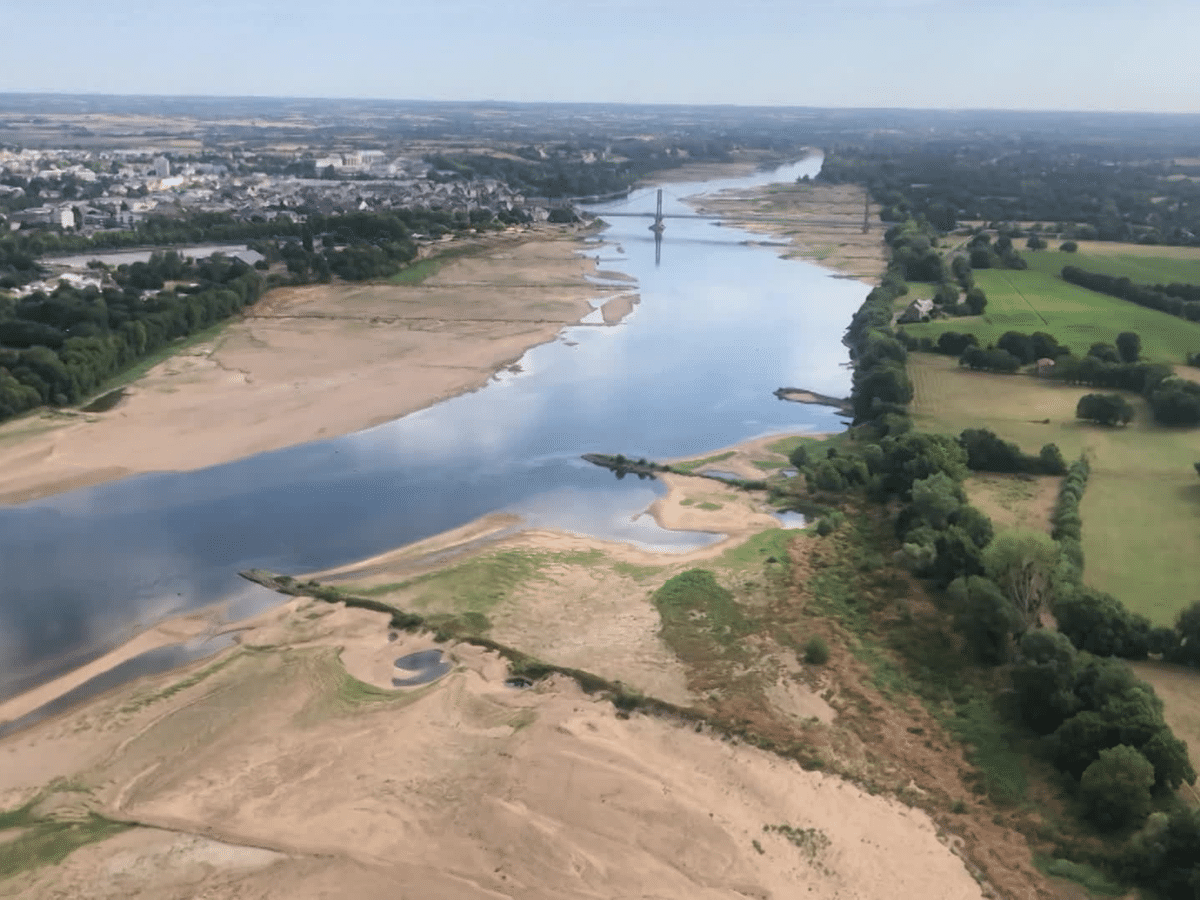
(936,498)
(1105,409)
(1022,562)
(1187,625)
(1106,352)
(1129,345)
(1044,679)
(986,618)
(1051,460)
(1116,787)
(1068,246)
(976,301)
(1036,242)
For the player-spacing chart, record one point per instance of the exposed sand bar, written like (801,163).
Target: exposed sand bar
(822,221)
(316,362)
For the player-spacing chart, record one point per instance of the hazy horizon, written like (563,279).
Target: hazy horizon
(1104,56)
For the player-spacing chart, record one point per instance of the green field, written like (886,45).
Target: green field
(1134,266)
(1141,512)
(1031,301)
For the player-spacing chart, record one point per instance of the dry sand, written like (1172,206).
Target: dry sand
(277,774)
(315,362)
(822,221)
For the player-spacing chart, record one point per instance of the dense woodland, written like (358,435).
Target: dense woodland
(59,348)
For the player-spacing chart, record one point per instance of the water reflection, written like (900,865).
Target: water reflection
(720,326)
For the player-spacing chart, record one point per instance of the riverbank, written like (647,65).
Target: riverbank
(823,223)
(691,503)
(316,362)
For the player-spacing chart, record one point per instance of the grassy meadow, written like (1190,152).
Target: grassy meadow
(1031,301)
(1037,299)
(1141,512)
(1123,262)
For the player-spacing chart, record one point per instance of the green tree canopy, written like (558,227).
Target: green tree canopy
(1021,562)
(1116,787)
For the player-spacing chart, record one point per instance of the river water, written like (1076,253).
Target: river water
(720,325)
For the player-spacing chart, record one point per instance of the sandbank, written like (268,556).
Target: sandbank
(295,770)
(279,375)
(823,223)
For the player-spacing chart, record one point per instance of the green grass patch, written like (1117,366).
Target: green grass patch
(1142,502)
(631,570)
(980,725)
(1031,301)
(709,506)
(47,843)
(1088,877)
(476,585)
(146,363)
(354,693)
(696,612)
(1137,267)
(171,690)
(755,552)
(418,272)
(693,465)
(770,465)
(785,446)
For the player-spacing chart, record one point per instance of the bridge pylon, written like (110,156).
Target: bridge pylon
(659,226)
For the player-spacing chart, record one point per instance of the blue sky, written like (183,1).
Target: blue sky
(1006,54)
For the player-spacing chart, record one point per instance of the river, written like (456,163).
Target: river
(720,325)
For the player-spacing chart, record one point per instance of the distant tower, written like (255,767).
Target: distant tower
(162,167)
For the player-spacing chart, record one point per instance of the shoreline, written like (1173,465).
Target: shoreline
(669,512)
(735,520)
(276,376)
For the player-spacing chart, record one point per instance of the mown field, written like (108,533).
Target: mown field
(1031,301)
(1135,266)
(1141,512)
(1037,299)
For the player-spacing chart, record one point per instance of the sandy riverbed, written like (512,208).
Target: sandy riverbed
(316,362)
(294,770)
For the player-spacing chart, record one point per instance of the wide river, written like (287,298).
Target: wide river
(720,326)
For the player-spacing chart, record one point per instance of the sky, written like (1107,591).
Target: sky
(945,54)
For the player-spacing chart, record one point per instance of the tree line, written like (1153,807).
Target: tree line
(58,348)
(1182,300)
(1172,400)
(1094,720)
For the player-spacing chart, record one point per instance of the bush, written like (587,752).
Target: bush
(816,651)
(1105,409)
(1116,787)
(1068,246)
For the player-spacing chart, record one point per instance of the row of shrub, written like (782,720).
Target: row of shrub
(988,452)
(1181,300)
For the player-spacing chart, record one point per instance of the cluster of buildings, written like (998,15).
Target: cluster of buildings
(88,190)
